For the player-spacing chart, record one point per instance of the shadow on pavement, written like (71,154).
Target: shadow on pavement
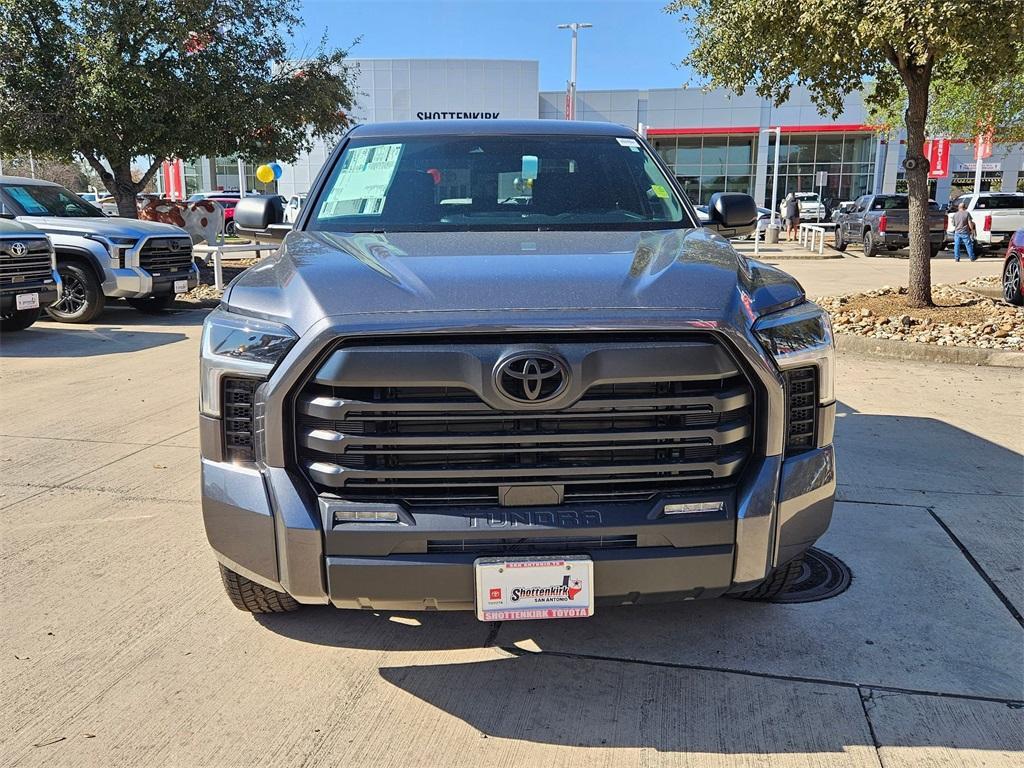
(571,702)
(117,331)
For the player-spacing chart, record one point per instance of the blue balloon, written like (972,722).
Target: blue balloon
(277,170)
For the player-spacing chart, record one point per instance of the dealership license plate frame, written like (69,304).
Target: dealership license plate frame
(26,301)
(505,574)
(181,286)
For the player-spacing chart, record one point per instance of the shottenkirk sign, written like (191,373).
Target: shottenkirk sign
(457,115)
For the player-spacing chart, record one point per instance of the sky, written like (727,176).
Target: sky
(633,43)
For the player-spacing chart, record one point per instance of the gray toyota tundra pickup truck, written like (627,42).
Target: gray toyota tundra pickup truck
(500,366)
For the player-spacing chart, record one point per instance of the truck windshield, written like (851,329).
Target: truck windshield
(46,200)
(488,183)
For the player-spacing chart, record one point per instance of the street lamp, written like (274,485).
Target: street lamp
(570,94)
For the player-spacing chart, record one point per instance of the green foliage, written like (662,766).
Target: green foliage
(959,106)
(114,80)
(834,47)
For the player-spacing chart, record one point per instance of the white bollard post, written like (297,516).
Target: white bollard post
(218,270)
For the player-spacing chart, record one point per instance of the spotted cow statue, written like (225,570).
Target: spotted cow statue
(203,219)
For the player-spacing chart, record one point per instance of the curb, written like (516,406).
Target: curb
(927,353)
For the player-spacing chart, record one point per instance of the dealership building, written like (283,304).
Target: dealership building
(713,140)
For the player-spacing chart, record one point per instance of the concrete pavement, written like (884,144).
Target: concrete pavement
(120,648)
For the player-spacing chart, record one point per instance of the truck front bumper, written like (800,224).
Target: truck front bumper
(48,293)
(266,524)
(136,283)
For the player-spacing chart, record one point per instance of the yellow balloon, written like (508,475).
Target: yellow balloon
(265,174)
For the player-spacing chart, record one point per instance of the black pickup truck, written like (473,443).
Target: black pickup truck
(883,221)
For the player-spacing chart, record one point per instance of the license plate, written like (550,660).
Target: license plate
(520,588)
(181,286)
(27,301)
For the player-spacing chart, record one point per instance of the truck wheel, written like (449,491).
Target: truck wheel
(152,305)
(249,596)
(229,228)
(870,247)
(934,250)
(19,319)
(781,579)
(840,244)
(82,299)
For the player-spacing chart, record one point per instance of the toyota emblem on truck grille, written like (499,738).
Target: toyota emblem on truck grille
(18,249)
(531,377)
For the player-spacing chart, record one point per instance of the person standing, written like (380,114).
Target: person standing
(963,232)
(792,216)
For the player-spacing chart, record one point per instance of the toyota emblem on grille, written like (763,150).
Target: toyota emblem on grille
(531,377)
(18,249)
(174,245)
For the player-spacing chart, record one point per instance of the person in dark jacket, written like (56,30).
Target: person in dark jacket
(792,216)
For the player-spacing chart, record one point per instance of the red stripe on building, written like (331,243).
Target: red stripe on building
(746,129)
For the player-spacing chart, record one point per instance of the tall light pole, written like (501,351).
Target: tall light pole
(570,95)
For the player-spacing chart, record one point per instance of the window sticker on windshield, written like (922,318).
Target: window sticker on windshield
(363,182)
(631,143)
(659,191)
(26,201)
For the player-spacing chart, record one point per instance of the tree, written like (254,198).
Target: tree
(835,47)
(120,82)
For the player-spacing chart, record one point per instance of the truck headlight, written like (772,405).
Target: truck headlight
(238,346)
(116,247)
(798,337)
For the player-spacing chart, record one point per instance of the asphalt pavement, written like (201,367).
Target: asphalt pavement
(120,648)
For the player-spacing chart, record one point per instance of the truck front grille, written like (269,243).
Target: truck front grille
(443,445)
(32,267)
(166,254)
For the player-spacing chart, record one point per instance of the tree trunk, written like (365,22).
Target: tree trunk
(124,190)
(919,293)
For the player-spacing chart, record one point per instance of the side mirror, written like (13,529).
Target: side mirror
(261,216)
(732,214)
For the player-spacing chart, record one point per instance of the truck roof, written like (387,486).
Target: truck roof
(491,128)
(23,179)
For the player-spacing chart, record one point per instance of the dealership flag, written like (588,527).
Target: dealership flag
(937,152)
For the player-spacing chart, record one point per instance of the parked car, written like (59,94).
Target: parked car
(89,197)
(228,204)
(412,400)
(764,220)
(28,275)
(1013,268)
(846,206)
(883,221)
(101,257)
(292,208)
(197,196)
(811,207)
(996,216)
(108,205)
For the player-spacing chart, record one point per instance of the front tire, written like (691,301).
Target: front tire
(782,578)
(82,299)
(247,595)
(152,305)
(1011,281)
(870,246)
(840,244)
(19,319)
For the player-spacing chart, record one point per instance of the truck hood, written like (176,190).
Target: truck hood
(319,274)
(109,226)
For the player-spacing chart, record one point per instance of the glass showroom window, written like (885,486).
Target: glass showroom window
(704,165)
